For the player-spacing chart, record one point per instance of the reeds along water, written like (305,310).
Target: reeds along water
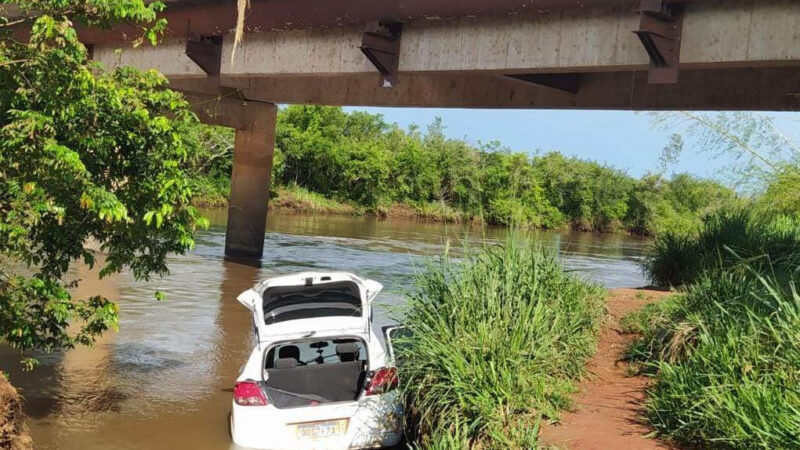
(728,237)
(725,352)
(726,357)
(495,342)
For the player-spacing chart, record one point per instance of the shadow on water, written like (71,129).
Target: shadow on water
(164,380)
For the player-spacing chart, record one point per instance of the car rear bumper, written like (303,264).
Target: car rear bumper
(374,421)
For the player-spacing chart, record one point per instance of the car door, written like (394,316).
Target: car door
(394,335)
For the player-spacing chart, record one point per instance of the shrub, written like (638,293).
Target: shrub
(727,237)
(727,359)
(495,343)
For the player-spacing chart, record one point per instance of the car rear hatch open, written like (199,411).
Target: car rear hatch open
(299,304)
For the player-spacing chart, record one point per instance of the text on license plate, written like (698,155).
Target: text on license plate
(313,430)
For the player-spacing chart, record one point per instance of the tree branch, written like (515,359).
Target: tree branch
(228,150)
(14,61)
(729,136)
(14,22)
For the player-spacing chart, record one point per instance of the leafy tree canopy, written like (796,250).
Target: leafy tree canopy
(91,163)
(358,159)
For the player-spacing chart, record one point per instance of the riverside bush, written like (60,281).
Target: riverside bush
(726,355)
(727,237)
(495,342)
(359,159)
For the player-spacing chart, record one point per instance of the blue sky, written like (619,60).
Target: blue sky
(623,139)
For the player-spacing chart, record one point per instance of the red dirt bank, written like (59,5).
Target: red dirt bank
(607,413)
(13,433)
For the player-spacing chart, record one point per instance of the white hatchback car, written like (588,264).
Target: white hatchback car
(319,376)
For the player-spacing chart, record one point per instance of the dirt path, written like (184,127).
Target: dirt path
(607,412)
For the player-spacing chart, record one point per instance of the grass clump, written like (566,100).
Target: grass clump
(429,211)
(727,237)
(299,200)
(495,344)
(726,355)
(726,352)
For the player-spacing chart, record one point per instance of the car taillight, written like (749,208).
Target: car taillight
(248,393)
(383,380)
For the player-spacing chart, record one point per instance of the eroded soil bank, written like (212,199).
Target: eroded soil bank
(608,408)
(13,433)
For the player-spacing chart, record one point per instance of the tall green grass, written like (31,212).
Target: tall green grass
(726,355)
(297,199)
(727,237)
(496,341)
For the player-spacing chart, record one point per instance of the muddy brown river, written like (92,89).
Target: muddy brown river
(164,380)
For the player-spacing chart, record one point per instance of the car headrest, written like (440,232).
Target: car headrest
(285,363)
(347,352)
(289,351)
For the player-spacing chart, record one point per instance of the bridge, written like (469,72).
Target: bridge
(580,54)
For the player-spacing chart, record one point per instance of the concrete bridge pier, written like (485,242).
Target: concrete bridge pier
(250,182)
(253,147)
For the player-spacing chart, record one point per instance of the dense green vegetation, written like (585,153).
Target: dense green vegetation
(725,238)
(87,158)
(726,351)
(358,159)
(726,356)
(495,344)
(782,193)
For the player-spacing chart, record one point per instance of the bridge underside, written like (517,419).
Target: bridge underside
(753,88)
(603,54)
(548,54)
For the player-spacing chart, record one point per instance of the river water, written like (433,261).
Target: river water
(164,380)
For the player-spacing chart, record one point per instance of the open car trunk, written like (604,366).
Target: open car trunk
(315,372)
(290,305)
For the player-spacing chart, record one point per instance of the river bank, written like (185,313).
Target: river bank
(607,410)
(300,201)
(13,432)
(296,200)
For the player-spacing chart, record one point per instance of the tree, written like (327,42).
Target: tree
(593,196)
(414,176)
(782,195)
(88,158)
(210,161)
(766,160)
(511,191)
(758,147)
(696,195)
(458,165)
(648,207)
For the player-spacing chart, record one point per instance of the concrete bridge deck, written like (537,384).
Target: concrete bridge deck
(603,54)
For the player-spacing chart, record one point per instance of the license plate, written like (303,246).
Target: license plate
(314,430)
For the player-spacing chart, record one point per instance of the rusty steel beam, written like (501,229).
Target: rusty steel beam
(217,17)
(659,31)
(206,52)
(380,43)
(567,82)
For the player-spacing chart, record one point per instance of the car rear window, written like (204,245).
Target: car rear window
(313,352)
(338,298)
